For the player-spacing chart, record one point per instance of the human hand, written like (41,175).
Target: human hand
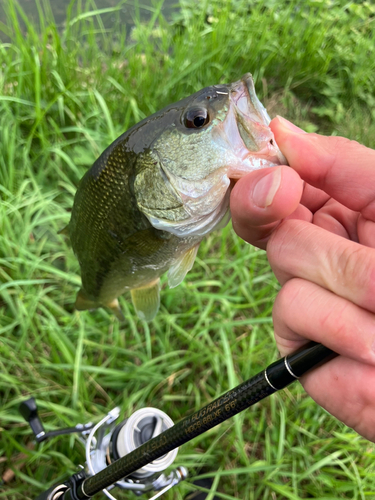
(316,219)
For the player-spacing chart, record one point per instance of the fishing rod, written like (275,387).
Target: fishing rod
(134,453)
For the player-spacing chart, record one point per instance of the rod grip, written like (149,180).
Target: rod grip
(284,371)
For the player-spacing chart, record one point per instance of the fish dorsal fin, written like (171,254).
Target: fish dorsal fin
(181,267)
(146,300)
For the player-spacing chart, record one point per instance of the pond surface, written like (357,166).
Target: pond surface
(127,9)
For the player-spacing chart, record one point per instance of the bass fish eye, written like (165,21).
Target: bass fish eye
(196,118)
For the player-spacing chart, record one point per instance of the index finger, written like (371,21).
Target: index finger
(342,168)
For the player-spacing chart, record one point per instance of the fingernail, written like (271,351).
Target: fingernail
(265,190)
(289,125)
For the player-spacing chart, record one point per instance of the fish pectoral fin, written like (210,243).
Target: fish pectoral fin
(115,308)
(83,302)
(146,300)
(181,267)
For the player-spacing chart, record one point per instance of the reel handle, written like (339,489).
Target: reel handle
(54,493)
(29,411)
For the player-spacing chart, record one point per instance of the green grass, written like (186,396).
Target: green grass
(64,96)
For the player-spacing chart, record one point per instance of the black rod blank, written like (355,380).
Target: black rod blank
(275,377)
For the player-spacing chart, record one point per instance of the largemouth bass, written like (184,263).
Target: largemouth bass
(147,202)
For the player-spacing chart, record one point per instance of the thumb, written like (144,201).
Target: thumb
(342,168)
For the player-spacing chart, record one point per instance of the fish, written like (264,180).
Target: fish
(150,198)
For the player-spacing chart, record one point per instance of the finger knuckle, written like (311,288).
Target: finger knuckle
(286,299)
(332,149)
(356,269)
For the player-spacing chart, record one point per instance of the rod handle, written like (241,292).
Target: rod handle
(286,370)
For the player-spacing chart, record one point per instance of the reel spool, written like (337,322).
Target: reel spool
(108,442)
(142,426)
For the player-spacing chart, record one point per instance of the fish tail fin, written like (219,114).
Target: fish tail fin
(115,308)
(146,300)
(83,302)
(64,230)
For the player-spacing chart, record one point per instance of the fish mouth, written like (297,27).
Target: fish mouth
(258,142)
(255,103)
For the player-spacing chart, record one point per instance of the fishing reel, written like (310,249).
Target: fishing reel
(110,440)
(134,453)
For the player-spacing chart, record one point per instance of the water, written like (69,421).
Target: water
(126,9)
